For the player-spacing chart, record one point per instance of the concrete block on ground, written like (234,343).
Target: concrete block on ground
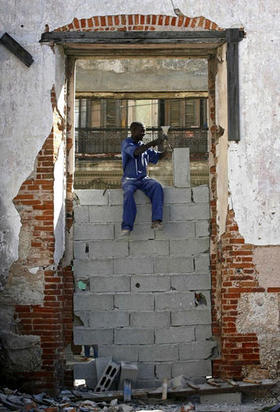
(150,283)
(103,214)
(86,370)
(101,363)
(163,370)
(107,249)
(202,263)
(192,369)
(134,302)
(106,320)
(191,282)
(119,353)
(231,397)
(174,301)
(148,353)
(177,195)
(149,248)
(92,301)
(92,197)
(150,319)
(181,167)
(110,283)
(200,194)
(81,214)
(109,376)
(189,211)
(191,317)
(202,228)
(133,265)
(173,265)
(189,247)
(93,267)
(197,350)
(129,371)
(176,230)
(133,336)
(176,334)
(92,231)
(140,232)
(85,336)
(203,332)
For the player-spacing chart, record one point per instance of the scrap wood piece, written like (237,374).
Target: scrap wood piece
(255,381)
(231,382)
(192,385)
(213,383)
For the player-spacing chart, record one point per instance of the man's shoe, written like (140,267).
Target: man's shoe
(125,233)
(157,225)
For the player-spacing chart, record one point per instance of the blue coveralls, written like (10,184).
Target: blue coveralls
(135,177)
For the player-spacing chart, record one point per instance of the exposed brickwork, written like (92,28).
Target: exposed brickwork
(134,22)
(53,320)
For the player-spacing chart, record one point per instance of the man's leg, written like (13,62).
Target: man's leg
(154,191)
(129,205)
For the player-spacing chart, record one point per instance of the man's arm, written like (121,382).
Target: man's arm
(141,149)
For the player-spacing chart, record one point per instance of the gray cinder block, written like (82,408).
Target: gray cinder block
(107,249)
(129,371)
(163,370)
(177,195)
(86,370)
(181,167)
(191,282)
(149,248)
(192,369)
(196,350)
(106,320)
(92,231)
(134,302)
(191,317)
(174,301)
(158,353)
(174,334)
(133,265)
(202,263)
(110,284)
(93,267)
(91,301)
(202,228)
(203,332)
(176,230)
(81,214)
(150,319)
(119,353)
(189,247)
(109,376)
(104,214)
(211,398)
(140,232)
(150,283)
(134,336)
(173,265)
(189,211)
(85,336)
(200,194)
(92,197)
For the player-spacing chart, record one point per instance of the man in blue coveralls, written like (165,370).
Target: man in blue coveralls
(135,157)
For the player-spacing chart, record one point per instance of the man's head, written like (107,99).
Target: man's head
(137,130)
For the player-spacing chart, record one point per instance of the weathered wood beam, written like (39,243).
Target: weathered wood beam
(233,37)
(13,46)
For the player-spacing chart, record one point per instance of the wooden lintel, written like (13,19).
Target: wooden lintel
(142,95)
(14,47)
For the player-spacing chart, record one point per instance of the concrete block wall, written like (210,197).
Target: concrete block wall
(139,304)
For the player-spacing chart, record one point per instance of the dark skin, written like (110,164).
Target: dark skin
(137,134)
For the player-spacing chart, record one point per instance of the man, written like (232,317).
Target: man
(135,157)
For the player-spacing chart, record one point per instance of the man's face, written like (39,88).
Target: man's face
(139,132)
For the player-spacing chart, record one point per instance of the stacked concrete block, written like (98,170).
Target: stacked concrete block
(141,304)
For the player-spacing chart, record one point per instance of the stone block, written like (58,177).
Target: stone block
(92,301)
(174,301)
(163,370)
(127,353)
(133,265)
(133,336)
(105,214)
(92,231)
(81,214)
(173,265)
(129,371)
(109,376)
(85,336)
(202,263)
(216,398)
(86,370)
(177,195)
(200,194)
(192,369)
(140,232)
(202,228)
(176,334)
(203,332)
(181,167)
(92,197)
(150,283)
(189,211)
(107,320)
(196,350)
(189,247)
(148,353)
(93,267)
(101,364)
(191,282)
(81,250)
(146,370)
(110,284)
(134,302)
(175,230)
(149,248)
(150,319)
(107,249)
(191,317)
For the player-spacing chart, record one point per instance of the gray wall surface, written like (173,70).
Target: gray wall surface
(140,300)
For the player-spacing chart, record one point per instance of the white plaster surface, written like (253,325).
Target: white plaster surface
(26,115)
(59,204)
